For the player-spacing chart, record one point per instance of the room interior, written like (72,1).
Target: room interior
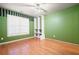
(39,29)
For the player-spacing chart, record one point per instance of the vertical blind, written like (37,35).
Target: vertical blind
(4,12)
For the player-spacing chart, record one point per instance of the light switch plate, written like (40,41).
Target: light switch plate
(54,36)
(2,38)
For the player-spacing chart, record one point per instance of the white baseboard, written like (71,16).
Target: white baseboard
(33,37)
(15,40)
(64,42)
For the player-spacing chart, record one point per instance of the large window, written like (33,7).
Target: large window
(17,25)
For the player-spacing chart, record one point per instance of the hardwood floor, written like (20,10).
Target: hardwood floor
(39,47)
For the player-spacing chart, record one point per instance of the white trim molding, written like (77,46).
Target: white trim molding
(42,27)
(15,40)
(63,41)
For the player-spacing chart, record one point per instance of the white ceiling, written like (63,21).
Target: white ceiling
(29,9)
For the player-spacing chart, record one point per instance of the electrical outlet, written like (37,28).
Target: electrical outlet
(54,36)
(2,38)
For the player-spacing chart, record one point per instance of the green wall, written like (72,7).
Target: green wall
(64,25)
(3,27)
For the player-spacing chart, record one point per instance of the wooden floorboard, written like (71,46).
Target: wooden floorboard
(39,47)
